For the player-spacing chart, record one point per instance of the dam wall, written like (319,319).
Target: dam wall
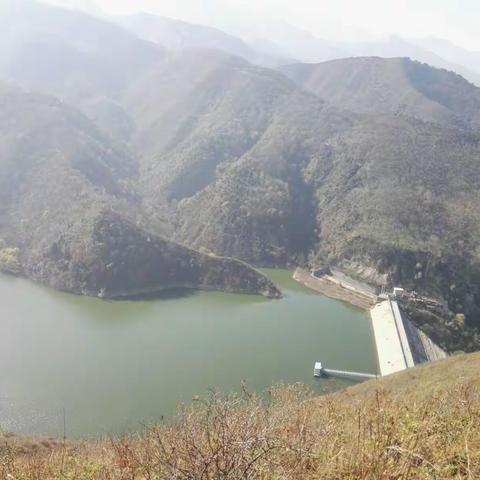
(400,345)
(393,351)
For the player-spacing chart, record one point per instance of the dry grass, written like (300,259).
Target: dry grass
(421,424)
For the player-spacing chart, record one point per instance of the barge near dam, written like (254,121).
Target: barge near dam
(399,344)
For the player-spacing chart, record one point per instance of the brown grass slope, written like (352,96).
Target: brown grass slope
(419,424)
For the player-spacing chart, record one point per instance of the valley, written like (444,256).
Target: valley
(379,170)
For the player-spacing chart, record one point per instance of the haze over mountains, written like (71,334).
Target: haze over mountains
(127,162)
(285,40)
(276,42)
(282,40)
(177,35)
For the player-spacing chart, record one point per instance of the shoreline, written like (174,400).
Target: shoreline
(336,290)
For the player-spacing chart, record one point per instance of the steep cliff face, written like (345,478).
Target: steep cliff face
(446,329)
(441,291)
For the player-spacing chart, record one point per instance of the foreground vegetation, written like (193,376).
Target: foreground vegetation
(422,424)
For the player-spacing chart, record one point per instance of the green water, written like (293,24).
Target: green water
(113,367)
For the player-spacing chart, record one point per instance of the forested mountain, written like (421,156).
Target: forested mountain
(377,166)
(68,213)
(278,175)
(393,85)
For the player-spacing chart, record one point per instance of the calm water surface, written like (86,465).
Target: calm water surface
(113,367)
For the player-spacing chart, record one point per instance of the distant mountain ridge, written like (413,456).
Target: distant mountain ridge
(451,52)
(394,46)
(177,35)
(84,61)
(285,40)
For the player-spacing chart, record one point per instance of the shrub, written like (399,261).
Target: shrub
(9,261)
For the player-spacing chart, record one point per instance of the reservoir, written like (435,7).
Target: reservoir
(110,368)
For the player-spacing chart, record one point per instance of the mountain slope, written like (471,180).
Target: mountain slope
(68,212)
(240,161)
(278,176)
(396,85)
(65,51)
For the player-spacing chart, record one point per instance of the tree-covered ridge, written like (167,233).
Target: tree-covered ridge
(396,86)
(70,215)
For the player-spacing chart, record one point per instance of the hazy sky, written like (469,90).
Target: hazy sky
(457,20)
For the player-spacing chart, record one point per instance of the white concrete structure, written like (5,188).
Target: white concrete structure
(407,352)
(398,292)
(347,374)
(318,369)
(393,349)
